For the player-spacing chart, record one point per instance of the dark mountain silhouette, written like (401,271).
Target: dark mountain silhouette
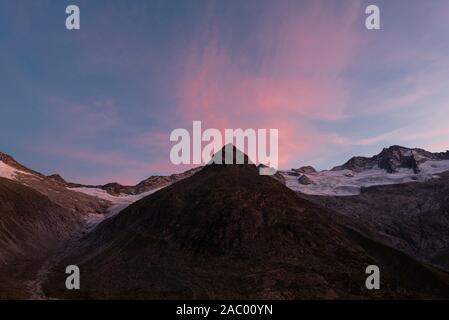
(228,232)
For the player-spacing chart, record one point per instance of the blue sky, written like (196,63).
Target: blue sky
(98,104)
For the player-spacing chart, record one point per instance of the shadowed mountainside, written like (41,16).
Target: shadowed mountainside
(30,226)
(412,217)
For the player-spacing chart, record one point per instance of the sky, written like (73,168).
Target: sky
(98,104)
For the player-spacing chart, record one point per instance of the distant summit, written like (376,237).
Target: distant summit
(392,159)
(393,165)
(57,178)
(305,169)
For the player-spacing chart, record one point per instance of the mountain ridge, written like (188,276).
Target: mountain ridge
(228,232)
(221,231)
(393,158)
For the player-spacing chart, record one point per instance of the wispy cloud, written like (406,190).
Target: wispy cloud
(299,78)
(103,101)
(84,118)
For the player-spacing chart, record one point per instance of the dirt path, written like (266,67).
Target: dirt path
(34,287)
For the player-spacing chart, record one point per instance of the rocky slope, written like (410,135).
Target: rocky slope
(30,221)
(412,217)
(31,225)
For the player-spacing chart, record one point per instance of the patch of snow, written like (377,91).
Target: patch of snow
(407,153)
(433,167)
(103,194)
(118,202)
(92,220)
(9,172)
(99,193)
(347,182)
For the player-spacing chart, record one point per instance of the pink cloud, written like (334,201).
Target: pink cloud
(298,81)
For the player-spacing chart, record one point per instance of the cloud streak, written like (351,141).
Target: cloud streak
(299,80)
(102,102)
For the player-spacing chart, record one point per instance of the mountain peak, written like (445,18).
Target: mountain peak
(56,177)
(230,154)
(10,161)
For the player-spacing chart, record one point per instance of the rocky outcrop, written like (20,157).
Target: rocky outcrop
(305,180)
(305,169)
(392,159)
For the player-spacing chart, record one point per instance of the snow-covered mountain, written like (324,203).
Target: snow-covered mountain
(394,165)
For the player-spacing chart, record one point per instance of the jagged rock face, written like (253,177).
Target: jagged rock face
(357,164)
(116,188)
(303,179)
(305,169)
(393,158)
(441,155)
